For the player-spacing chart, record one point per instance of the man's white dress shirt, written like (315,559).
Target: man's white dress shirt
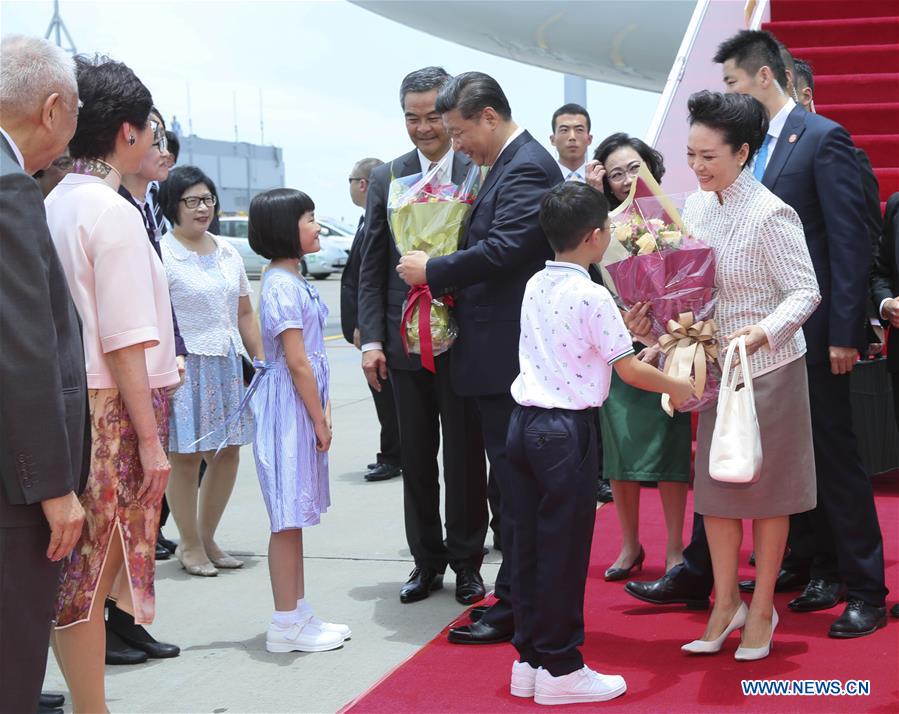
(579,174)
(775,127)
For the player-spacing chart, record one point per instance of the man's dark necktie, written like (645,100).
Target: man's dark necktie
(158,218)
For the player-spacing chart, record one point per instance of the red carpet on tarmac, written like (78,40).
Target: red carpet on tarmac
(642,643)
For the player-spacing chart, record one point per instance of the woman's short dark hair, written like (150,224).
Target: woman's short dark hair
(569,211)
(740,118)
(111,94)
(172,189)
(471,93)
(653,159)
(274,221)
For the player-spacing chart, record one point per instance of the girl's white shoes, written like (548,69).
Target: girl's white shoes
(305,610)
(301,637)
(745,654)
(307,634)
(711,646)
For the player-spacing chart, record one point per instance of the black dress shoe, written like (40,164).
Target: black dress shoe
(169,545)
(478,633)
(382,472)
(469,586)
(162,553)
(787,581)
(818,595)
(612,574)
(476,613)
(421,582)
(41,709)
(604,492)
(894,611)
(369,467)
(137,636)
(858,619)
(118,652)
(52,701)
(667,591)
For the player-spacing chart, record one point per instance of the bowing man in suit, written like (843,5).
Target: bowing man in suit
(427,404)
(44,430)
(387,462)
(503,246)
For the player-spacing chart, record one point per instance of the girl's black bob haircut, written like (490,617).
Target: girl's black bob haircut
(274,222)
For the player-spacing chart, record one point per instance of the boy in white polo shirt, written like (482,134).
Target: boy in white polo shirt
(572,334)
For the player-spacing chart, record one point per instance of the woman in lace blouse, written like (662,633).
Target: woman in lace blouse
(210,294)
(766,290)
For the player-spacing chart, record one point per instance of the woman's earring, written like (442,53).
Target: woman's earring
(131,140)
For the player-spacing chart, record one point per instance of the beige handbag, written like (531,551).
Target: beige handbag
(736,452)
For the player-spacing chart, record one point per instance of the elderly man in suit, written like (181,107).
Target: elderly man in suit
(387,462)
(808,161)
(44,432)
(426,402)
(502,248)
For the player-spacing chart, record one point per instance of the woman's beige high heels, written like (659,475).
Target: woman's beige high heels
(712,646)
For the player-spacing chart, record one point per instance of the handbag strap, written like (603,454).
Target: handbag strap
(726,381)
(746,367)
(729,378)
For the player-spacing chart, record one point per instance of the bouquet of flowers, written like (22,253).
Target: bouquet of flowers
(428,216)
(651,258)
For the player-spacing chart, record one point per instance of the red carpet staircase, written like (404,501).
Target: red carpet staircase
(853,47)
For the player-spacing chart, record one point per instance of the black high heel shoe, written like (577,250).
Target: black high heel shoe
(622,573)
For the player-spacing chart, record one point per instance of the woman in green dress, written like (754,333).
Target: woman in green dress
(641,443)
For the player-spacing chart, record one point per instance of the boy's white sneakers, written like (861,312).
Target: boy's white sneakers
(303,636)
(582,685)
(523,678)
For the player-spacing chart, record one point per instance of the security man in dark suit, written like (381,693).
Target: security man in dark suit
(502,248)
(885,296)
(387,462)
(885,289)
(428,404)
(44,425)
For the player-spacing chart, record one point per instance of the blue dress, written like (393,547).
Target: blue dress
(292,474)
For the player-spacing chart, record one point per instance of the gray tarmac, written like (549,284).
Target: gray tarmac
(356,561)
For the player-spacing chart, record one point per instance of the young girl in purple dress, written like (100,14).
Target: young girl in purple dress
(293,413)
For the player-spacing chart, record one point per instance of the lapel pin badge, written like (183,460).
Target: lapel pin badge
(792,138)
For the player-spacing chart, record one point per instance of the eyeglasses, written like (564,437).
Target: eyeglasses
(355,178)
(159,138)
(194,201)
(618,175)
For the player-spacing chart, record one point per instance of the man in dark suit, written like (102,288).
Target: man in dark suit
(387,462)
(885,289)
(44,429)
(808,161)
(502,248)
(885,296)
(426,401)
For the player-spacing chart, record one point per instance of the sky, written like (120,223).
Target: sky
(329,73)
